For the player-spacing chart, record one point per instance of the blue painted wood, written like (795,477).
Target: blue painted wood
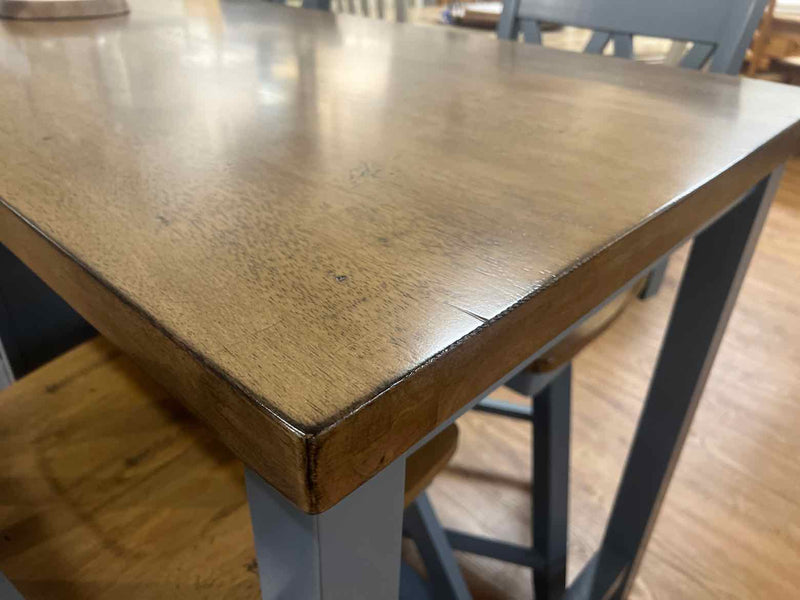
(412,586)
(317,4)
(530,383)
(349,551)
(444,574)
(505,409)
(721,31)
(6,374)
(623,45)
(531,32)
(503,551)
(551,485)
(712,278)
(654,280)
(36,325)
(7,590)
(597,43)
(725,25)
(698,56)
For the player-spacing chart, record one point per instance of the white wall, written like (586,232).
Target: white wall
(788,7)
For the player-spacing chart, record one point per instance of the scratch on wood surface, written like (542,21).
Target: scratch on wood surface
(468,312)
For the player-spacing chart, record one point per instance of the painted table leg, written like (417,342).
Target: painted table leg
(711,282)
(7,590)
(350,551)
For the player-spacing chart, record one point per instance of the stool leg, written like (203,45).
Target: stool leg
(551,485)
(6,374)
(422,526)
(654,279)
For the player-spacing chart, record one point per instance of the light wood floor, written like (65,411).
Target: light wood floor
(121,512)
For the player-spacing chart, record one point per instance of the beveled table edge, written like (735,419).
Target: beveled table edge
(489,353)
(317,467)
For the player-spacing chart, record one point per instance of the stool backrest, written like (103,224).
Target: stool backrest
(720,30)
(372,8)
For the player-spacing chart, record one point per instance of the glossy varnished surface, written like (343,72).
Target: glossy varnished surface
(328,234)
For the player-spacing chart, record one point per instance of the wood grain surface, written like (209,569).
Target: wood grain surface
(326,234)
(92,507)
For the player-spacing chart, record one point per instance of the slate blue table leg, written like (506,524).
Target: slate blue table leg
(711,281)
(350,551)
(7,590)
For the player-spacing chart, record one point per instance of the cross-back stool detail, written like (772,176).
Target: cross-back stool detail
(368,8)
(720,30)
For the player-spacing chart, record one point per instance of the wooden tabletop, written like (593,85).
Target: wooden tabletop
(327,234)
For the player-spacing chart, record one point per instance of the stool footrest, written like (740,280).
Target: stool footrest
(504,551)
(506,409)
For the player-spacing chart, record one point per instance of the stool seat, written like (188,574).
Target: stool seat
(424,464)
(111,489)
(569,347)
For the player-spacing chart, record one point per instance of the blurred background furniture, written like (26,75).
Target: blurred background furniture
(687,20)
(61,9)
(757,53)
(396,10)
(775,52)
